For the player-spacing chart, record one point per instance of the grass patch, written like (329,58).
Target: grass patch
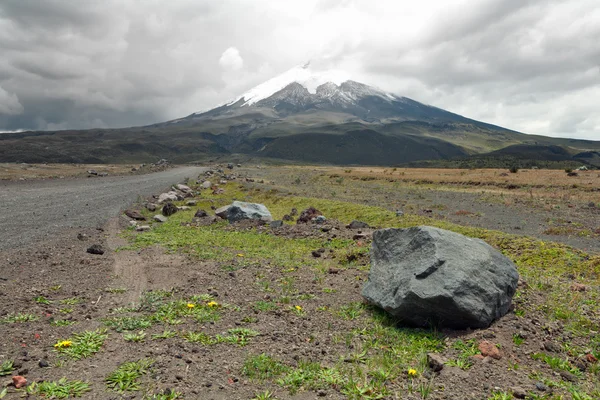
(262,367)
(82,345)
(18,318)
(61,389)
(126,377)
(6,368)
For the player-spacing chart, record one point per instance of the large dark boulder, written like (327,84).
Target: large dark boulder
(429,276)
(169,209)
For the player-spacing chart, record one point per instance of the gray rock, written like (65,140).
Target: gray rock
(426,275)
(160,218)
(191,203)
(239,210)
(319,219)
(200,214)
(143,228)
(164,197)
(135,214)
(206,185)
(518,392)
(183,208)
(230,166)
(435,361)
(151,207)
(399,213)
(357,225)
(276,224)
(183,188)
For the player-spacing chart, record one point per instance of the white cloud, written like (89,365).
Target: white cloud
(9,103)
(231,59)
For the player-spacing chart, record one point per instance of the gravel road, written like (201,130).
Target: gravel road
(32,211)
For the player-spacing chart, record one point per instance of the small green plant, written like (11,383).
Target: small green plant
(500,396)
(18,318)
(167,394)
(199,337)
(266,395)
(127,323)
(166,334)
(42,300)
(126,377)
(239,336)
(70,301)
(351,311)
(62,322)
(66,310)
(135,337)
(61,389)
(6,367)
(115,290)
(56,288)
(518,339)
(263,366)
(82,345)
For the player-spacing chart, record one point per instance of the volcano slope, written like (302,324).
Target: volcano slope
(202,309)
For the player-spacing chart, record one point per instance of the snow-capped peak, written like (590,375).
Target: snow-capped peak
(301,74)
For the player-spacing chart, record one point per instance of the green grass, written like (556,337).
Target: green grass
(62,322)
(265,306)
(262,367)
(128,323)
(42,300)
(18,318)
(135,337)
(6,368)
(82,345)
(126,377)
(61,389)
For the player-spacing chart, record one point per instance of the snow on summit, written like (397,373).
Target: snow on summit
(301,74)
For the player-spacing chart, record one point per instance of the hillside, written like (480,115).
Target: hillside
(303,116)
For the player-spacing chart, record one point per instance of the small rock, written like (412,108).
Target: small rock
(43,363)
(183,208)
(518,392)
(276,224)
(82,236)
(399,213)
(578,287)
(160,218)
(541,387)
(316,254)
(169,209)
(19,381)
(591,358)
(321,393)
(134,214)
(357,225)
(165,197)
(435,361)
(206,185)
(200,214)
(191,203)
(567,376)
(308,215)
(552,347)
(489,349)
(95,249)
(92,172)
(183,188)
(319,219)
(287,217)
(151,207)
(143,228)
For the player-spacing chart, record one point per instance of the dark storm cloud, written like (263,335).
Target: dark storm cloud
(528,65)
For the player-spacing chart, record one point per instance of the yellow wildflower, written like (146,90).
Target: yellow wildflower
(212,304)
(412,372)
(240,255)
(191,305)
(62,344)
(299,308)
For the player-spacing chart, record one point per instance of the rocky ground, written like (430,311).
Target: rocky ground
(198,308)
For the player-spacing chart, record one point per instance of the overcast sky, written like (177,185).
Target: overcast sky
(528,65)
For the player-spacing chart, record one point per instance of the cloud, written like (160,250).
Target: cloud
(231,59)
(528,65)
(9,103)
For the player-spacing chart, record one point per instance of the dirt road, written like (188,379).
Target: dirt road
(36,210)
